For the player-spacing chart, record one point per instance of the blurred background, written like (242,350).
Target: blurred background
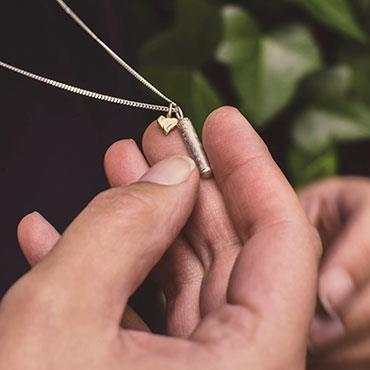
(298,69)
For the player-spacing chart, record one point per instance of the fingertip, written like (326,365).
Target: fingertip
(223,112)
(221,116)
(36,237)
(118,147)
(124,163)
(230,139)
(117,150)
(158,146)
(226,122)
(150,133)
(152,140)
(336,287)
(26,225)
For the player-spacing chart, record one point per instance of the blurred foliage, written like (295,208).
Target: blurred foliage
(302,61)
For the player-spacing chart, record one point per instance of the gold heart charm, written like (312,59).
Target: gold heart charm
(167,124)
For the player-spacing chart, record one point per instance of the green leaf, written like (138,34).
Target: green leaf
(317,128)
(266,69)
(328,85)
(336,14)
(191,41)
(359,61)
(241,36)
(188,86)
(307,167)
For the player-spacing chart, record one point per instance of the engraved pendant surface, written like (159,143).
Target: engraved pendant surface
(195,147)
(167,124)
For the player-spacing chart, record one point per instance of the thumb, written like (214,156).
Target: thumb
(113,244)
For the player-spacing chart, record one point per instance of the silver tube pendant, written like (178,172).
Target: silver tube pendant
(191,139)
(195,147)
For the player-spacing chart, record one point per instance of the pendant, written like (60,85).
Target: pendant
(191,139)
(167,124)
(195,147)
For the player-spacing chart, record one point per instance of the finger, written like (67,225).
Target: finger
(108,250)
(209,231)
(124,163)
(321,202)
(343,206)
(342,209)
(352,322)
(180,275)
(275,276)
(347,269)
(254,188)
(36,237)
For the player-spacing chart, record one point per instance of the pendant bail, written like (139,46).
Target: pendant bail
(170,110)
(179,113)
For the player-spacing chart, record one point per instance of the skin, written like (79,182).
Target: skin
(340,208)
(66,312)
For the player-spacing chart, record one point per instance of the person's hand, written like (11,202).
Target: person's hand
(340,208)
(262,315)
(195,271)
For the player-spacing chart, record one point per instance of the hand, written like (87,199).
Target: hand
(340,208)
(195,271)
(275,271)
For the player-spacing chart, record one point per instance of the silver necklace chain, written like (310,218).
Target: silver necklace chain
(83,92)
(173,107)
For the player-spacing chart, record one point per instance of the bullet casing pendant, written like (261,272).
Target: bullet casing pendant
(195,147)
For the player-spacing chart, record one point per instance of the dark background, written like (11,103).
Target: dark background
(52,143)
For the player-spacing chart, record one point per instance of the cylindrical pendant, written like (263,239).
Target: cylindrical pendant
(195,147)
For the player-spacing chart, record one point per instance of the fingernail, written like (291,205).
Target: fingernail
(171,171)
(324,332)
(335,288)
